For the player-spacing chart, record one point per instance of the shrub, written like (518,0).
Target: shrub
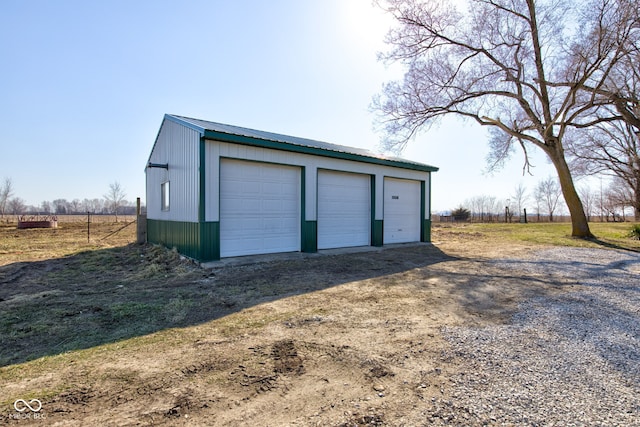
(635,232)
(461,214)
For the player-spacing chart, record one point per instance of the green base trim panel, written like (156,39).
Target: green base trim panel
(426,231)
(377,232)
(184,236)
(210,238)
(309,236)
(200,241)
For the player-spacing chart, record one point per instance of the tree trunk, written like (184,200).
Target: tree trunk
(579,223)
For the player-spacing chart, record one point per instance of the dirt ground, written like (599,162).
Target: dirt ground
(333,340)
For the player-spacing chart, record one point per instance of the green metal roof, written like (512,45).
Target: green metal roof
(245,136)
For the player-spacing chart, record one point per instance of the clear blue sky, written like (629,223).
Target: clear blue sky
(84,86)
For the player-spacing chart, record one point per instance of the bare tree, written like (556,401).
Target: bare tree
(46,207)
(588,201)
(6,191)
(75,205)
(61,206)
(502,63)
(509,211)
(611,149)
(520,197)
(548,194)
(612,145)
(115,198)
(614,203)
(473,206)
(616,39)
(619,197)
(97,205)
(484,208)
(17,206)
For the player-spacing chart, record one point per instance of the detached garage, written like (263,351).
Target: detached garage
(215,191)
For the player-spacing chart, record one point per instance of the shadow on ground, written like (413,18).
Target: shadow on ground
(97,297)
(610,245)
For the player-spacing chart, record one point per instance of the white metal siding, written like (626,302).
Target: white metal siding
(344,209)
(178,146)
(259,208)
(401,210)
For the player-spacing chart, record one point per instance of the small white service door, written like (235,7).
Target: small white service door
(401,210)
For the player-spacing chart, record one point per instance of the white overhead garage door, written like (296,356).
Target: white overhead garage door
(401,210)
(259,208)
(344,209)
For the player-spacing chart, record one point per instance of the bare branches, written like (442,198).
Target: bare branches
(491,60)
(548,194)
(6,191)
(533,70)
(115,197)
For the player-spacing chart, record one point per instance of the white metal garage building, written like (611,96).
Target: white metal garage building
(215,190)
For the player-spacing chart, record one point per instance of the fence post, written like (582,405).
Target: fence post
(141,224)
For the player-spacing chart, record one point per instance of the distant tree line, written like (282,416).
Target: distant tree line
(112,203)
(546,203)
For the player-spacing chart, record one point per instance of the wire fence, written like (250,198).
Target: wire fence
(78,217)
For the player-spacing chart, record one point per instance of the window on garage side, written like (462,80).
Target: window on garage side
(164,199)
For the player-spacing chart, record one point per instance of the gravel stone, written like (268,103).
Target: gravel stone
(565,359)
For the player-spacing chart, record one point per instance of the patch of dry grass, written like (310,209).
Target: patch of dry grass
(68,239)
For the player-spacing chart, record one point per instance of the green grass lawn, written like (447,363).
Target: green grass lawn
(613,235)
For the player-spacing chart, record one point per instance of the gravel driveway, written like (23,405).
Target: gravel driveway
(569,359)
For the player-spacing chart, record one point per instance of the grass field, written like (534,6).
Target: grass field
(70,237)
(76,292)
(107,288)
(613,235)
(73,311)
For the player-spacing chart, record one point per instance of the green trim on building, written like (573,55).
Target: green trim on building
(428,213)
(376,226)
(422,210)
(200,241)
(377,233)
(283,146)
(425,223)
(208,247)
(308,229)
(210,243)
(309,236)
(184,236)
(426,231)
